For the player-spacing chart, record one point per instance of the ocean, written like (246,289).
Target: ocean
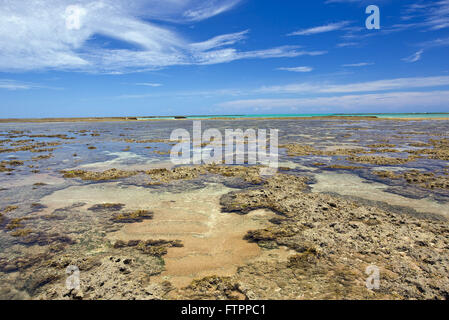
(304,115)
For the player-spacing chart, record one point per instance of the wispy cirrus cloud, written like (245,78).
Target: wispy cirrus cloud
(359,64)
(435,14)
(435,43)
(421,15)
(393,101)
(347,44)
(56,34)
(370,86)
(320,29)
(320,88)
(8,84)
(209,9)
(414,57)
(296,69)
(430,15)
(149,84)
(230,54)
(184,94)
(220,41)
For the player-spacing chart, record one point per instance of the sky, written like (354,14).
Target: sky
(68,58)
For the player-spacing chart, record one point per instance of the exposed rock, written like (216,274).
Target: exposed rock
(110,174)
(107,207)
(212,287)
(111,277)
(332,234)
(380,160)
(133,216)
(428,180)
(156,248)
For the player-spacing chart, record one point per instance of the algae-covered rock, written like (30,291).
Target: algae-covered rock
(335,240)
(107,207)
(111,174)
(156,248)
(428,180)
(381,160)
(213,287)
(133,216)
(21,232)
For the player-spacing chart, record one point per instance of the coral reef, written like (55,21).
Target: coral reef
(133,216)
(107,207)
(162,176)
(15,223)
(440,150)
(156,248)
(304,245)
(106,276)
(428,180)
(42,157)
(35,147)
(212,287)
(110,174)
(21,232)
(380,160)
(332,234)
(294,149)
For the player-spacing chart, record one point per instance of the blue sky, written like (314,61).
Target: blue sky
(63,58)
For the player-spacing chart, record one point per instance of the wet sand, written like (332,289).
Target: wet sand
(213,240)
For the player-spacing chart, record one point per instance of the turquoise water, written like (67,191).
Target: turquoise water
(249,116)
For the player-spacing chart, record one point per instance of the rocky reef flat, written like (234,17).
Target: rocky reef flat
(105,199)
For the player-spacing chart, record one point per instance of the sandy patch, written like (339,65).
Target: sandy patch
(213,241)
(126,161)
(353,185)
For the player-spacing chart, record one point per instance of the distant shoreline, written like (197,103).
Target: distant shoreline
(246,117)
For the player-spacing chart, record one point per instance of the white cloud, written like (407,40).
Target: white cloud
(184,94)
(284,51)
(425,15)
(178,11)
(430,15)
(220,41)
(320,29)
(297,69)
(326,88)
(209,9)
(8,84)
(378,85)
(439,42)
(14,85)
(148,84)
(360,64)
(347,44)
(435,14)
(392,101)
(228,55)
(56,34)
(414,57)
